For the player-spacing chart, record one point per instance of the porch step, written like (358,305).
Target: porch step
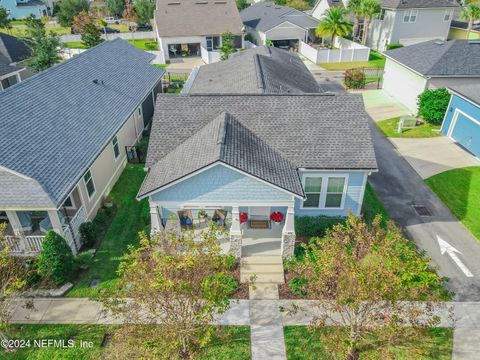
(266,269)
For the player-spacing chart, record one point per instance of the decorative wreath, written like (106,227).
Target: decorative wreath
(243,217)
(276,216)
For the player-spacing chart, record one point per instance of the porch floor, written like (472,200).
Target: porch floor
(262,242)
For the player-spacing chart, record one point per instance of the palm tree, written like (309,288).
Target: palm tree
(470,13)
(334,23)
(368,9)
(354,6)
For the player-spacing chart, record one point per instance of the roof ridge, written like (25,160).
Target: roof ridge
(222,133)
(446,49)
(259,72)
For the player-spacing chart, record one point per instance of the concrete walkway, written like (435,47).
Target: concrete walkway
(381,106)
(431,156)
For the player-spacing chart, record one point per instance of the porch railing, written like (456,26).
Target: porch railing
(71,232)
(32,243)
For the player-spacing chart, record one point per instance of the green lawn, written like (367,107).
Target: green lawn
(131,217)
(459,189)
(389,129)
(74,45)
(19,29)
(233,344)
(435,343)
(372,206)
(376,60)
(144,44)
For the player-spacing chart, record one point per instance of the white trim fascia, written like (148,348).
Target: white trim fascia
(446,112)
(463,97)
(362,194)
(217,204)
(16,72)
(3,168)
(199,171)
(327,171)
(454,121)
(286,21)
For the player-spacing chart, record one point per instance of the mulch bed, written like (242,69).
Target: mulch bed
(242,290)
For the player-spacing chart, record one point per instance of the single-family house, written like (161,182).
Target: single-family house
(64,135)
(462,119)
(284,26)
(13,53)
(409,22)
(459,30)
(19,9)
(410,70)
(261,70)
(321,6)
(254,162)
(186,28)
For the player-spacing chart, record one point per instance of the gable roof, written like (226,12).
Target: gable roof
(227,141)
(65,119)
(13,48)
(417,4)
(5,67)
(273,133)
(265,15)
(197,17)
(259,70)
(469,91)
(440,58)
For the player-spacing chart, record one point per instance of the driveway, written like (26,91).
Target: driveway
(381,106)
(431,156)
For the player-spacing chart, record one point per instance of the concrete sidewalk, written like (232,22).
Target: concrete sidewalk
(381,106)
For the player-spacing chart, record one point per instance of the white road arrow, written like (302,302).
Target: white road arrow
(450,250)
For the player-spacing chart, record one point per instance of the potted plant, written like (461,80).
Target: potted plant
(276,217)
(243,218)
(202,214)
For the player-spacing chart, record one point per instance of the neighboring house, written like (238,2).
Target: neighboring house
(323,5)
(301,155)
(19,9)
(284,26)
(410,70)
(13,53)
(187,28)
(261,70)
(462,119)
(63,139)
(410,22)
(458,30)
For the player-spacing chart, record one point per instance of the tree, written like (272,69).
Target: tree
(227,47)
(80,20)
(368,9)
(129,15)
(55,261)
(333,23)
(69,9)
(432,105)
(4,19)
(360,277)
(354,6)
(175,281)
(91,36)
(241,4)
(44,47)
(144,10)
(470,13)
(116,7)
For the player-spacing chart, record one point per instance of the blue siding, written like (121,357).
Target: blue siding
(466,132)
(352,200)
(220,183)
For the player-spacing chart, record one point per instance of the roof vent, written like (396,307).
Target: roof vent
(220,2)
(98,82)
(201,2)
(439,42)
(173,3)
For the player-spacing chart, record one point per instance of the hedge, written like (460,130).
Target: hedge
(315,226)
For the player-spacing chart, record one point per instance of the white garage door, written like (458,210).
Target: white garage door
(403,84)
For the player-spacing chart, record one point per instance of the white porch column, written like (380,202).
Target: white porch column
(55,220)
(288,233)
(236,234)
(17,228)
(155,218)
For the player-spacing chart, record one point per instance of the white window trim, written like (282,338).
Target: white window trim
(116,157)
(381,17)
(85,184)
(410,13)
(72,200)
(323,193)
(448,12)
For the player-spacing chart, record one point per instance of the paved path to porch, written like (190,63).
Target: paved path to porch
(264,317)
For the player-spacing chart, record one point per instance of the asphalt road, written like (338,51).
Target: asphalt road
(399,187)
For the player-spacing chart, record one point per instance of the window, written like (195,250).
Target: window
(448,15)
(89,185)
(410,16)
(335,192)
(213,42)
(68,203)
(313,189)
(116,148)
(382,15)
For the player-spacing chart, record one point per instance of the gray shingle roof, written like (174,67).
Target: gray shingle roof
(310,131)
(259,70)
(5,67)
(417,4)
(265,15)
(53,125)
(12,48)
(227,141)
(197,17)
(440,58)
(470,91)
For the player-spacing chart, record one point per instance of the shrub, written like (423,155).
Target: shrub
(355,79)
(88,233)
(217,284)
(315,226)
(432,105)
(83,260)
(296,285)
(56,259)
(394,46)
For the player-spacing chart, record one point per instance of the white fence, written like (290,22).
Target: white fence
(347,51)
(209,57)
(124,35)
(71,232)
